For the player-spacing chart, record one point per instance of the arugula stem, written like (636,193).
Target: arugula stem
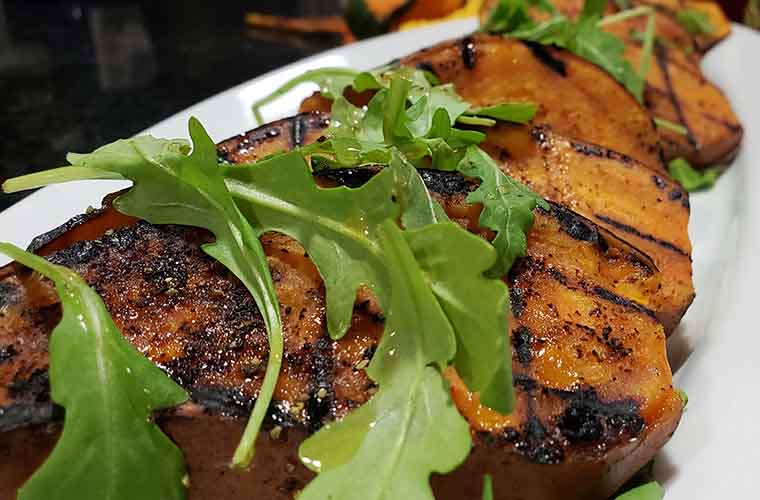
(309,76)
(247,446)
(667,124)
(648,48)
(56,176)
(476,120)
(624,15)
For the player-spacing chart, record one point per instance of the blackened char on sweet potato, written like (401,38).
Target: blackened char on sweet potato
(595,400)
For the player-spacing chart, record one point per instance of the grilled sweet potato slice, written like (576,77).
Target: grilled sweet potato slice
(595,400)
(576,98)
(648,210)
(677,91)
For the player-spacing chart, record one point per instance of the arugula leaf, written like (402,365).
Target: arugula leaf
(336,226)
(410,428)
(648,491)
(332,83)
(483,356)
(487,487)
(684,397)
(507,207)
(418,208)
(691,179)
(109,437)
(695,21)
(516,112)
(674,127)
(172,187)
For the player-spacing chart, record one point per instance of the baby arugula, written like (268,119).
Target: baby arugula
(346,250)
(109,391)
(174,187)
(415,115)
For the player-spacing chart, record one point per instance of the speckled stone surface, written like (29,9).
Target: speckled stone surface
(76,75)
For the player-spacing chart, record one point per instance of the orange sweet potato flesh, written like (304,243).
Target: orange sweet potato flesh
(429,9)
(576,98)
(595,398)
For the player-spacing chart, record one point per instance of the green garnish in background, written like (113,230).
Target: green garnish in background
(691,179)
(648,491)
(110,448)
(695,21)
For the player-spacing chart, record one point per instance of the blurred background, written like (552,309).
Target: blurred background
(75,75)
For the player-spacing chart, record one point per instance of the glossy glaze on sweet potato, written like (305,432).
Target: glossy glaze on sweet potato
(595,400)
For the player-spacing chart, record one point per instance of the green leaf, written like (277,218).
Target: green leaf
(606,51)
(172,187)
(336,226)
(507,207)
(487,487)
(516,112)
(418,208)
(109,437)
(332,83)
(691,179)
(674,127)
(394,111)
(648,491)
(509,16)
(695,21)
(366,81)
(593,9)
(410,429)
(684,397)
(475,305)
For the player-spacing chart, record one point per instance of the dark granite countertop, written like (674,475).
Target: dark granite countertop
(76,75)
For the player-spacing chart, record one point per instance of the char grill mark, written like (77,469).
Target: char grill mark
(468,52)
(661,56)
(546,58)
(632,230)
(297,132)
(578,228)
(288,133)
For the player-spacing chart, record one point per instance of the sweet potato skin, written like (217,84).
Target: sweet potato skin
(595,399)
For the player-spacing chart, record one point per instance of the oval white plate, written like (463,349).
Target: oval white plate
(716,451)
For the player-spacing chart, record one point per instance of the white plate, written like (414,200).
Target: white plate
(716,450)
